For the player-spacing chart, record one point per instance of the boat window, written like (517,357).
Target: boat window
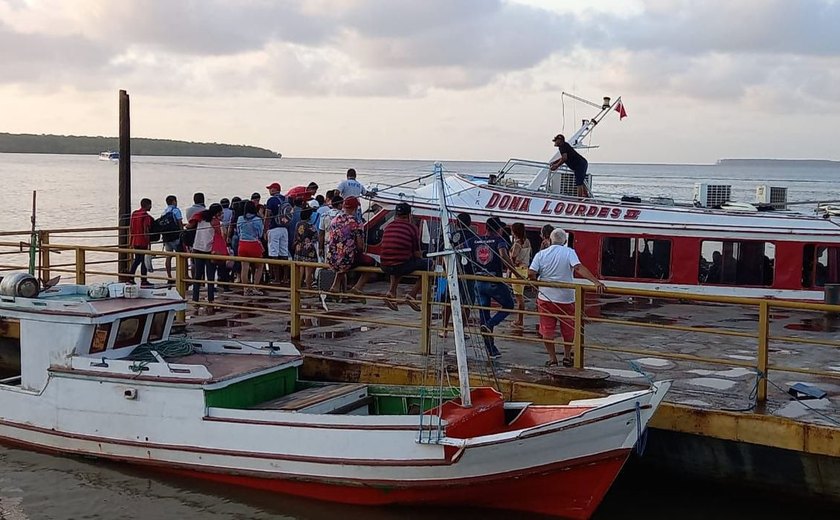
(820,265)
(100,338)
(737,263)
(373,232)
(130,331)
(625,257)
(158,326)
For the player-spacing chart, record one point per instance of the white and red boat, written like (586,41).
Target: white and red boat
(101,377)
(711,245)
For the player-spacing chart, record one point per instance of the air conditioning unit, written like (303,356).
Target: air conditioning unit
(775,196)
(712,195)
(563,182)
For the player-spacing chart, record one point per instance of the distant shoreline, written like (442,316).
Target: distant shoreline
(780,163)
(85,145)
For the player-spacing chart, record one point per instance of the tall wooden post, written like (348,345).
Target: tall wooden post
(124,205)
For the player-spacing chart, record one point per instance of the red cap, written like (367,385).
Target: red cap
(351,203)
(274,186)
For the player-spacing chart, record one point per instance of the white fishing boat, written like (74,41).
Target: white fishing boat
(710,245)
(109,156)
(101,377)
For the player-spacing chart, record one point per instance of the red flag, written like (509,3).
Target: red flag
(619,107)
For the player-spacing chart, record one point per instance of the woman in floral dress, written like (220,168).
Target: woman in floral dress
(346,247)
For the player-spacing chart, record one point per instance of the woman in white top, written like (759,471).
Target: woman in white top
(208,234)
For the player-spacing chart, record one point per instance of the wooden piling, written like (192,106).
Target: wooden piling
(124,203)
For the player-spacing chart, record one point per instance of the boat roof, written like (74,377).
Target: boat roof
(73,302)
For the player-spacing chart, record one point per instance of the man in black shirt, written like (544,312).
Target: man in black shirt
(574,161)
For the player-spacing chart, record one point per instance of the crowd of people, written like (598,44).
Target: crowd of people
(307,227)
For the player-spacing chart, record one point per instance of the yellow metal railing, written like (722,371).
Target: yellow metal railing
(100,257)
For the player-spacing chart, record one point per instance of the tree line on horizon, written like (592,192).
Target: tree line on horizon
(84,145)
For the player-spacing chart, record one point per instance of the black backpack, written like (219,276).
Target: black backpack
(167,226)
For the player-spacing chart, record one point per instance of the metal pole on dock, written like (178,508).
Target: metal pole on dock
(124,204)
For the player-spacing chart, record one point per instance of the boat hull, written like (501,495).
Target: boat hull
(571,489)
(568,489)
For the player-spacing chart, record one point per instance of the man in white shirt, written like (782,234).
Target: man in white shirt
(350,187)
(558,263)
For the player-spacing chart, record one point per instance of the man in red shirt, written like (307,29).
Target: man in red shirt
(401,255)
(139,227)
(305,193)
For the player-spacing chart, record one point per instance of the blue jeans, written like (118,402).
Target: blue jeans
(495,291)
(204,268)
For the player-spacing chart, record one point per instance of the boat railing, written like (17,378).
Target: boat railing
(614,324)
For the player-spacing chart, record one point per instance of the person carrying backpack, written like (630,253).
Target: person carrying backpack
(170,224)
(278,213)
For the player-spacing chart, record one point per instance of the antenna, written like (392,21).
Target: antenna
(451,259)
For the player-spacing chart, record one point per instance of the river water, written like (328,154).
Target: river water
(81,191)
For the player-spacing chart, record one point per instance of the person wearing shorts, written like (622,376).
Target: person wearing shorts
(277,215)
(250,229)
(575,161)
(558,263)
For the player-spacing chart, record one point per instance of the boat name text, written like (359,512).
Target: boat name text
(523,205)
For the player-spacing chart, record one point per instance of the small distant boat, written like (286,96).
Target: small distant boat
(109,156)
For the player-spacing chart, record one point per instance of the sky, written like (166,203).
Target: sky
(433,79)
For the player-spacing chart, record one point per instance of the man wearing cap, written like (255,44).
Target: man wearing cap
(490,258)
(278,214)
(302,192)
(572,159)
(401,255)
(558,263)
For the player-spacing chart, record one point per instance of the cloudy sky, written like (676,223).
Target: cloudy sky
(432,79)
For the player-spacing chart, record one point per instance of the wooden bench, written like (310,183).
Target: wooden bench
(333,398)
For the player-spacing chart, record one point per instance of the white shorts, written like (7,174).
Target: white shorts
(278,242)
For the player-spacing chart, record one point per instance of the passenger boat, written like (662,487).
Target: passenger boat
(109,156)
(102,377)
(711,245)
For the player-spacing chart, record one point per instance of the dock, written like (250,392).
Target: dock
(731,413)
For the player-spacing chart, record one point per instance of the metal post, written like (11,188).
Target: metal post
(180,282)
(425,315)
(294,315)
(763,349)
(124,202)
(80,266)
(577,347)
(44,242)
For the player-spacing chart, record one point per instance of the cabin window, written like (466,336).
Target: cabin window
(820,265)
(737,263)
(158,326)
(374,232)
(625,257)
(130,332)
(100,338)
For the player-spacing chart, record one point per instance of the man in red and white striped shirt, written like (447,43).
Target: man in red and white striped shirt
(401,255)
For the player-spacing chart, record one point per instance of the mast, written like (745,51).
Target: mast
(451,259)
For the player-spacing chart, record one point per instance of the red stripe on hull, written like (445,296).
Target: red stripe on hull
(569,490)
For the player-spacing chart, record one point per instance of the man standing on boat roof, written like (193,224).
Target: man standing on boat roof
(575,161)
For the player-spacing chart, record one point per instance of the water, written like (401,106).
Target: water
(81,191)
